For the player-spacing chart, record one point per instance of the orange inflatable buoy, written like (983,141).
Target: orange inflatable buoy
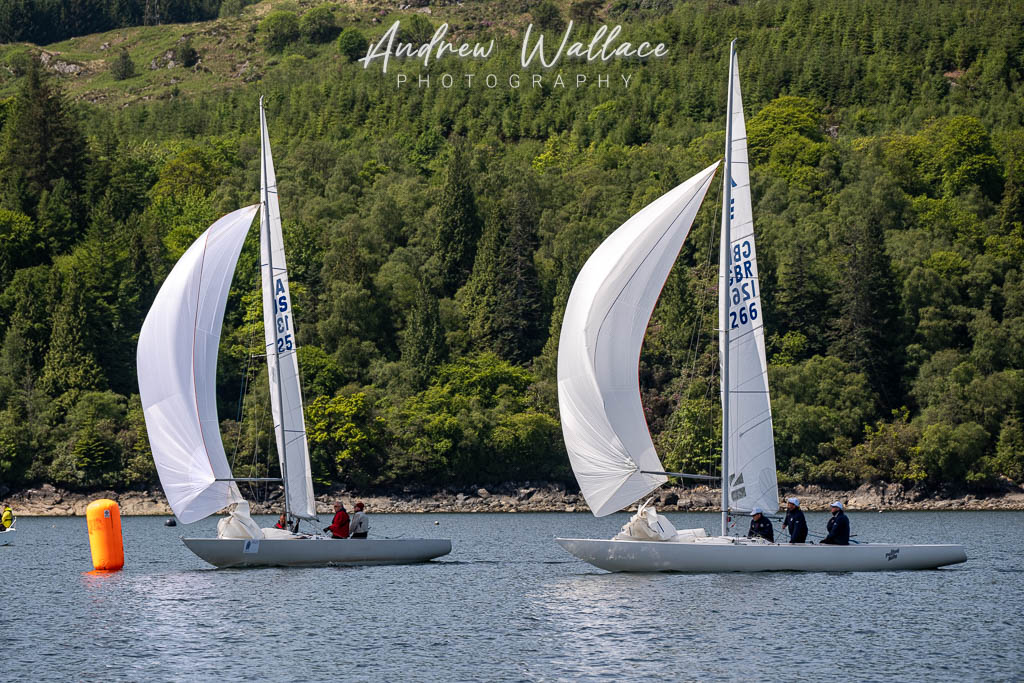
(104,518)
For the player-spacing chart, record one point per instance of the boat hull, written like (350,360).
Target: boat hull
(7,537)
(719,555)
(316,552)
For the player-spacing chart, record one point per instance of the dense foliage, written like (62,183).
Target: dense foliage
(47,21)
(434,233)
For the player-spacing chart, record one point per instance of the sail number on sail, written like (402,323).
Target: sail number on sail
(284,334)
(743,285)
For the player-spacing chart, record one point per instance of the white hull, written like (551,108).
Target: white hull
(739,555)
(316,552)
(7,537)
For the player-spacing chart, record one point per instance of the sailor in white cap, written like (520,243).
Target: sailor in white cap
(838,526)
(760,526)
(795,521)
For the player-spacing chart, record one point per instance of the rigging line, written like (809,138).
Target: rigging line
(696,333)
(242,393)
(693,351)
(254,490)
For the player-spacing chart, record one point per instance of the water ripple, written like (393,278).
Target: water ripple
(508,604)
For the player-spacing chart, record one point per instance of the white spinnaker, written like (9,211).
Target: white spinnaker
(177,367)
(599,349)
(752,478)
(279,330)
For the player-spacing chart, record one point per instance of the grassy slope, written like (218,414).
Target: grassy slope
(229,49)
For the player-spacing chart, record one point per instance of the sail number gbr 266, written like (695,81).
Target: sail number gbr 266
(743,294)
(283,314)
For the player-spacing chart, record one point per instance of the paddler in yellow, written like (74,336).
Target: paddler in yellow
(7,519)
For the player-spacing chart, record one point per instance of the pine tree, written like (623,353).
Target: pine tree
(41,144)
(502,297)
(801,298)
(70,363)
(423,344)
(123,68)
(865,333)
(460,226)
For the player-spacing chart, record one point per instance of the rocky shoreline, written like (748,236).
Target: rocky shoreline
(48,501)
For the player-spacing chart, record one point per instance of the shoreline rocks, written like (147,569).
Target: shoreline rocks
(48,501)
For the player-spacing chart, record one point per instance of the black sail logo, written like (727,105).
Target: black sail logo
(737,491)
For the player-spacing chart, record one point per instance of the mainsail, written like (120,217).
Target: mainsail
(606,317)
(751,444)
(279,331)
(177,366)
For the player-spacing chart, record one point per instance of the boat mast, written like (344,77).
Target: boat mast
(270,264)
(725,259)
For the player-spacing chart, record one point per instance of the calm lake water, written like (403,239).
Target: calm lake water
(508,604)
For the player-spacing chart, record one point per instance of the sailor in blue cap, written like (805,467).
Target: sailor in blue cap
(795,522)
(760,526)
(838,526)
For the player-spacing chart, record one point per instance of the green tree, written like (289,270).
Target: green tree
(318,24)
(185,54)
(865,332)
(122,67)
(41,144)
(459,223)
(21,244)
(279,29)
(70,362)
(547,16)
(346,440)
(352,44)
(415,29)
(423,344)
(502,296)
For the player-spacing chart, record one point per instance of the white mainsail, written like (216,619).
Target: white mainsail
(605,320)
(751,443)
(279,331)
(177,366)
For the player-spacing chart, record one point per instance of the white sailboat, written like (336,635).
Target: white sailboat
(605,432)
(7,536)
(177,367)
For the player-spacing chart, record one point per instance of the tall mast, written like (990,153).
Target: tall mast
(725,259)
(265,235)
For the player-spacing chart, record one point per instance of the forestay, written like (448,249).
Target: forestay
(177,367)
(606,317)
(752,478)
(279,330)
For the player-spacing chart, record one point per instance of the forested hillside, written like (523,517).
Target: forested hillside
(434,233)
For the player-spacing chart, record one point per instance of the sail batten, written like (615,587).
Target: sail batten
(605,320)
(177,369)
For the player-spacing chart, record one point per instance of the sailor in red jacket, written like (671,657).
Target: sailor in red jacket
(339,525)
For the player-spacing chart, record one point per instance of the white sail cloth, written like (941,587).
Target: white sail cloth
(177,367)
(752,477)
(279,330)
(606,317)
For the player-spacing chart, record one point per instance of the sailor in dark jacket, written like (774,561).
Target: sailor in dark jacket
(795,522)
(760,526)
(838,526)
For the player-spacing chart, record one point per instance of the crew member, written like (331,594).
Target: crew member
(7,519)
(760,526)
(282,523)
(838,526)
(795,522)
(360,523)
(339,525)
